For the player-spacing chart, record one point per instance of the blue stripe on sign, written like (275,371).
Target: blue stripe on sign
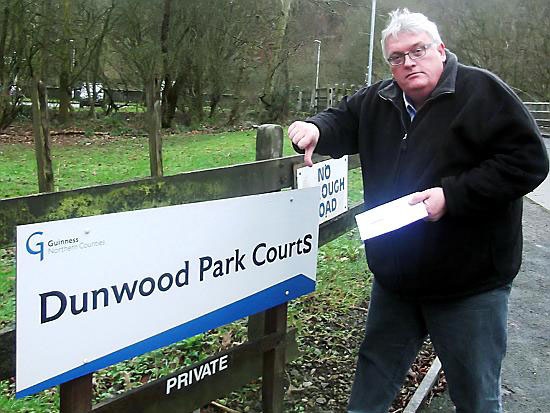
(270,297)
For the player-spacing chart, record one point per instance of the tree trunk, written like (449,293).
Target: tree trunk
(274,98)
(40,122)
(110,103)
(64,97)
(96,67)
(3,37)
(7,110)
(66,65)
(92,96)
(197,98)
(168,95)
(215,98)
(170,102)
(234,115)
(216,88)
(153,121)
(90,99)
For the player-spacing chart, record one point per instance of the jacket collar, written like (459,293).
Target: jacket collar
(446,83)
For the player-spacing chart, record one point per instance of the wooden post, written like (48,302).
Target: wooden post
(269,145)
(313,101)
(269,142)
(75,396)
(41,131)
(340,93)
(321,101)
(274,362)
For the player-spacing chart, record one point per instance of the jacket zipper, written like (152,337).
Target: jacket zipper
(403,148)
(403,145)
(404,142)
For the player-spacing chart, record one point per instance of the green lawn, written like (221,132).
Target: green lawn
(342,273)
(7,286)
(92,163)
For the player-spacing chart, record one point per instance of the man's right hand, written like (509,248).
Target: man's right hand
(305,136)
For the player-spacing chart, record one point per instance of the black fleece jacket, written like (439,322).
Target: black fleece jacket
(474,138)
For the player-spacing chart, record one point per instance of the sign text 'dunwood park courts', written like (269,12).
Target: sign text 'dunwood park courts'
(96,290)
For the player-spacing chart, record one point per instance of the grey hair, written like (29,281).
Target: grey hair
(402,20)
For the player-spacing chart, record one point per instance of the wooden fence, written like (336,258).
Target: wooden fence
(541,113)
(305,101)
(270,344)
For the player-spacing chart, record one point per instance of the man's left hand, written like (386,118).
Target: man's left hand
(434,200)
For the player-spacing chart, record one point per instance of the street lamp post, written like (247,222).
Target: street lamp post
(314,93)
(371,46)
(318,60)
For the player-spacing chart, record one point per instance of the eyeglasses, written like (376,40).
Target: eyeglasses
(418,52)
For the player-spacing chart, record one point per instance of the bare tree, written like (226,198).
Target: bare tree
(12,54)
(509,38)
(98,18)
(274,96)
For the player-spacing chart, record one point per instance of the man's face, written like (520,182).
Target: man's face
(419,77)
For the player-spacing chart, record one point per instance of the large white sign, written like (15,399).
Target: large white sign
(332,177)
(97,290)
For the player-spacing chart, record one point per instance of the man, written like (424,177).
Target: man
(460,141)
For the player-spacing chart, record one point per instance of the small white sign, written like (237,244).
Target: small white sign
(97,290)
(389,217)
(332,177)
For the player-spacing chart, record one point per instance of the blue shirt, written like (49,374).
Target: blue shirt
(409,106)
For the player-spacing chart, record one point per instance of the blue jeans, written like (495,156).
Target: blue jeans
(469,337)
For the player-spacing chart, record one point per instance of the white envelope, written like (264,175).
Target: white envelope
(389,217)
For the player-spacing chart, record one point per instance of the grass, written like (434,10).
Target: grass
(7,287)
(342,273)
(44,402)
(86,163)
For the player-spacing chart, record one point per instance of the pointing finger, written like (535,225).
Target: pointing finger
(308,155)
